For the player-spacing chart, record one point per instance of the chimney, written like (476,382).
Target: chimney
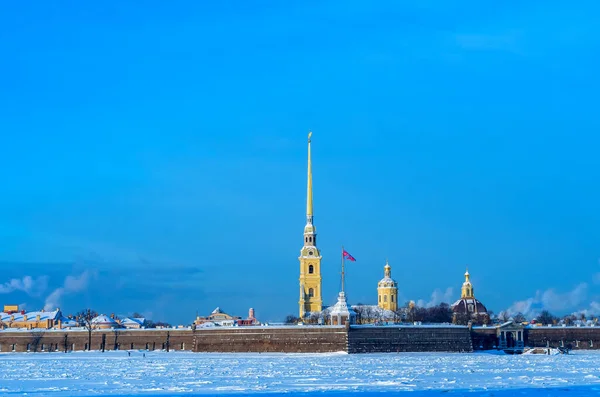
(59,324)
(251,313)
(24,317)
(38,317)
(112,315)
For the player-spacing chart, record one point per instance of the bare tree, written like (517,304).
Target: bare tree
(313,318)
(291,319)
(503,316)
(519,318)
(36,338)
(85,318)
(545,317)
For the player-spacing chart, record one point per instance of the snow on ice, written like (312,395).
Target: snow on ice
(420,374)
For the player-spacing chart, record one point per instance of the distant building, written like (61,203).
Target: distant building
(387,290)
(218,317)
(133,322)
(104,322)
(467,307)
(340,314)
(29,320)
(251,320)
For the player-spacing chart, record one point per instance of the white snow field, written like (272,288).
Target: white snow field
(419,374)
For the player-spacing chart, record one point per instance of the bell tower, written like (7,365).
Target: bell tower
(467,288)
(310,257)
(387,290)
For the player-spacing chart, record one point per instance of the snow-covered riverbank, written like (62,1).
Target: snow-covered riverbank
(118,373)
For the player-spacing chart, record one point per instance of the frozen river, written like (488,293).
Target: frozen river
(429,374)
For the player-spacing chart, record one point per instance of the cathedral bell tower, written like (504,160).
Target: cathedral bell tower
(310,257)
(467,288)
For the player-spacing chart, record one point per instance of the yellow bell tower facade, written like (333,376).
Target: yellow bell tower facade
(467,291)
(310,257)
(387,290)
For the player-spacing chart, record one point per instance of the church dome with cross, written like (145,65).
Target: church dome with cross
(467,304)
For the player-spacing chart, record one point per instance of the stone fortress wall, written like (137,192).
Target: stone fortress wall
(296,339)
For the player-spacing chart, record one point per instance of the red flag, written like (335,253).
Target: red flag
(348,256)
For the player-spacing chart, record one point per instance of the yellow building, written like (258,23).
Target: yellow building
(387,290)
(310,257)
(11,318)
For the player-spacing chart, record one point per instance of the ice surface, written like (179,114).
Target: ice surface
(420,374)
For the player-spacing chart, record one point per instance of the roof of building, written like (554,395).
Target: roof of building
(31,316)
(341,307)
(217,310)
(104,320)
(133,321)
(387,282)
(464,304)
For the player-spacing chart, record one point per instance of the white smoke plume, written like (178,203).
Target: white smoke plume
(437,297)
(552,301)
(29,285)
(72,284)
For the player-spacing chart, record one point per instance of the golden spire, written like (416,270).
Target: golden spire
(309,198)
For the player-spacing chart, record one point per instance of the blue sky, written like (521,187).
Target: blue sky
(154,156)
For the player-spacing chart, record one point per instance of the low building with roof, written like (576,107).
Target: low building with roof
(103,321)
(133,322)
(218,317)
(30,320)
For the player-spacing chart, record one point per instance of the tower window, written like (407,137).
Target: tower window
(311,269)
(379,298)
(310,239)
(311,292)
(392,298)
(385,298)
(306,239)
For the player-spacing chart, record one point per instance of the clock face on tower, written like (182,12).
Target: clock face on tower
(310,253)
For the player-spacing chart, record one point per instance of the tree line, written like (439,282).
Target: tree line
(442,313)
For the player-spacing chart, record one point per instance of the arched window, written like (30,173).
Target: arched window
(392,298)
(385,298)
(311,269)
(379,298)
(311,292)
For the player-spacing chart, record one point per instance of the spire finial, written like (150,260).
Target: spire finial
(309,201)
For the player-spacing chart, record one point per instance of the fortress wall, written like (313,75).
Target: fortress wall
(576,337)
(409,339)
(484,338)
(77,340)
(304,339)
(227,339)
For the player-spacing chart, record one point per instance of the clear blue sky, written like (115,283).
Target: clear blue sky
(153,156)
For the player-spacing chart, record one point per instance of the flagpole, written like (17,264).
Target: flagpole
(343,268)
